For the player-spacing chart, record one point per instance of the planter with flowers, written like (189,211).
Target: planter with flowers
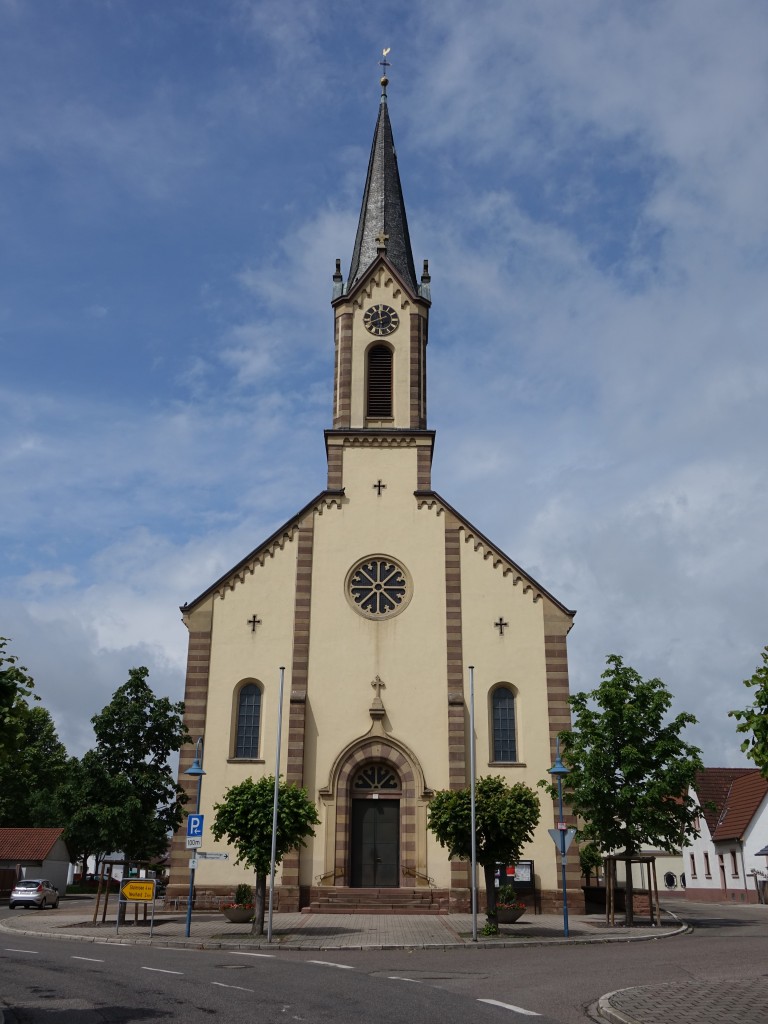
(240,910)
(508,907)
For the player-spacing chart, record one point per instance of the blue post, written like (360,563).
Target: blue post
(559,770)
(195,770)
(562,855)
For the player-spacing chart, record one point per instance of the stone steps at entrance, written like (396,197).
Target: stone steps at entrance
(343,900)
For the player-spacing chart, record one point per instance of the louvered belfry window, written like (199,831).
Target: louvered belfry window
(379,381)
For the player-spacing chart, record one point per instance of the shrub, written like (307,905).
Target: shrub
(244,895)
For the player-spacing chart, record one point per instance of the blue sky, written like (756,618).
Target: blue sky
(588,182)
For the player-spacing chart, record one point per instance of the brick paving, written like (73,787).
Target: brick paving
(327,931)
(689,1002)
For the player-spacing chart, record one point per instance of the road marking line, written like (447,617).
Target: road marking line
(90,959)
(327,963)
(10,949)
(159,970)
(396,977)
(510,1006)
(266,955)
(238,987)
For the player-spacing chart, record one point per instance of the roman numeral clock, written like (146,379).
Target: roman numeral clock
(381,320)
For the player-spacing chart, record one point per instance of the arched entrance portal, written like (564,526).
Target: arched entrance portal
(376,807)
(375,841)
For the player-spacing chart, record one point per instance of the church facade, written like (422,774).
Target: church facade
(375,598)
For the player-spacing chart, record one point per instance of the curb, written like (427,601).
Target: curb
(609,1012)
(184,943)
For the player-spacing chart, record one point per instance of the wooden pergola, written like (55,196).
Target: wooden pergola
(647,862)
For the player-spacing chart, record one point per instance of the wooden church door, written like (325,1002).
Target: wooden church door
(375,843)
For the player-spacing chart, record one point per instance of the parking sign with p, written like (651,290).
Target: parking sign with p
(194,831)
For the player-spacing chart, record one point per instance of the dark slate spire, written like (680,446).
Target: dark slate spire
(383,209)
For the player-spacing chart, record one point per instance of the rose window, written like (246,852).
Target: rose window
(378,587)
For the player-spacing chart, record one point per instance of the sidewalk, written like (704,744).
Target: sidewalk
(328,931)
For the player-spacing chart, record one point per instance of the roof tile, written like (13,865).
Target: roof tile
(25,844)
(741,805)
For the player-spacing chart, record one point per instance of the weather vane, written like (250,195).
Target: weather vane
(384,62)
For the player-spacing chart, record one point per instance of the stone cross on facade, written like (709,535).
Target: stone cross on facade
(378,686)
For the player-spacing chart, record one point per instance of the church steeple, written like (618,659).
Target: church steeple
(381,319)
(383,225)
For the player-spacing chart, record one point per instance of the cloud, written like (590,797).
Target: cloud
(588,183)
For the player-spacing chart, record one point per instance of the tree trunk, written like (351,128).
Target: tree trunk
(259,904)
(629,899)
(489,870)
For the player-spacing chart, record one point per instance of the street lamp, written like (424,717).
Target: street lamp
(196,771)
(559,771)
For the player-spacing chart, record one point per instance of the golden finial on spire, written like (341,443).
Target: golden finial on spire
(384,63)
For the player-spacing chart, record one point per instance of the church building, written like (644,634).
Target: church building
(375,597)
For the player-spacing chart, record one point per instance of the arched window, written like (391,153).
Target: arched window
(379,392)
(376,777)
(503,721)
(248,721)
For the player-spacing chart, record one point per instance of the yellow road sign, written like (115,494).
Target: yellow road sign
(138,889)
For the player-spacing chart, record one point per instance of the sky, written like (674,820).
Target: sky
(588,181)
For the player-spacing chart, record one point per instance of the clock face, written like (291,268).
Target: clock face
(381,320)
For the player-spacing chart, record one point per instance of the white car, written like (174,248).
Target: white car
(34,892)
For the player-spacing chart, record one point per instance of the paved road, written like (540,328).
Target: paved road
(47,981)
(714,973)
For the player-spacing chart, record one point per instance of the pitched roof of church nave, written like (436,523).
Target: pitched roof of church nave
(383,208)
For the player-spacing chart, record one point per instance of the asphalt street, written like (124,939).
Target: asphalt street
(714,972)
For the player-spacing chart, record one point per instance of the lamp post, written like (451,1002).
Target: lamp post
(275,802)
(196,771)
(559,771)
(472,798)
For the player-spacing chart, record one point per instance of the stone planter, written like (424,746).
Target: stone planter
(509,916)
(238,915)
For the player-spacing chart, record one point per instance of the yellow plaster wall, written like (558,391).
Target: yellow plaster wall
(237,653)
(518,658)
(347,650)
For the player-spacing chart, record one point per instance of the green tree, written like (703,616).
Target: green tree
(86,804)
(505,817)
(244,818)
(30,780)
(754,719)
(15,686)
(122,794)
(590,860)
(135,735)
(630,769)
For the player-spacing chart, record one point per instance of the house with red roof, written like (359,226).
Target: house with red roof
(33,853)
(726,863)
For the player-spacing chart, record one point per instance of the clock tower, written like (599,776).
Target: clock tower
(381,320)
